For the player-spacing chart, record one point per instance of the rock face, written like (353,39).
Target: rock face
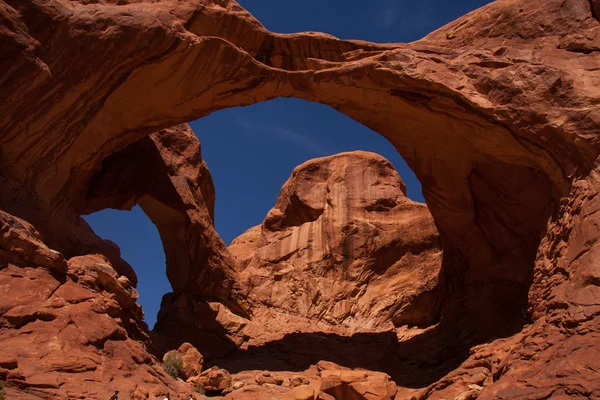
(343,246)
(497,114)
(164,173)
(359,385)
(61,320)
(191,360)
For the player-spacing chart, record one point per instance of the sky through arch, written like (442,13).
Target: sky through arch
(251,152)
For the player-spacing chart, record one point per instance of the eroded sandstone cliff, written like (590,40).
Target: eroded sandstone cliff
(70,328)
(344,247)
(497,114)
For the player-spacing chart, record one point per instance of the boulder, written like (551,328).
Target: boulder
(357,385)
(298,381)
(303,392)
(191,360)
(266,377)
(213,379)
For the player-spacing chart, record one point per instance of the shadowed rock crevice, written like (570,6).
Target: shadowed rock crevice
(414,363)
(595,4)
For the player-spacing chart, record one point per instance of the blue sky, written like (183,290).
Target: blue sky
(251,151)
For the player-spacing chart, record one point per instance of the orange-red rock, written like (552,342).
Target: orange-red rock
(304,392)
(213,379)
(343,246)
(78,323)
(357,385)
(164,173)
(191,360)
(495,112)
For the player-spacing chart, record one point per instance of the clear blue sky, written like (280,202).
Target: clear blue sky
(251,151)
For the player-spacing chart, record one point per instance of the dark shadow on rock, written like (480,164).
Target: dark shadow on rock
(489,311)
(415,363)
(186,318)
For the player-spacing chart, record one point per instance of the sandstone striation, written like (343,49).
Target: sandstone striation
(497,113)
(343,247)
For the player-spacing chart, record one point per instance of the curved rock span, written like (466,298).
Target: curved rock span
(497,113)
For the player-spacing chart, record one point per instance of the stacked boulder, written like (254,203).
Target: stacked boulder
(186,363)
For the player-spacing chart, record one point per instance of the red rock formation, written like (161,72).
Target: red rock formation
(358,385)
(213,380)
(164,173)
(496,113)
(343,248)
(66,322)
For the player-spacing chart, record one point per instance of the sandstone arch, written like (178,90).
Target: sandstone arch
(164,173)
(496,113)
(450,110)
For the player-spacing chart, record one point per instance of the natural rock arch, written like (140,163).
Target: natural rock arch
(496,113)
(450,110)
(164,173)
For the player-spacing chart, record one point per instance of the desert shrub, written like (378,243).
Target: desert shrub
(2,393)
(172,364)
(199,389)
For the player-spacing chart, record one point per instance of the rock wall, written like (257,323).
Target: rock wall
(496,113)
(343,247)
(70,328)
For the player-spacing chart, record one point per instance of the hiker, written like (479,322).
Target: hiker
(191,397)
(115,396)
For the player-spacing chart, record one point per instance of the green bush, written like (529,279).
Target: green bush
(2,393)
(199,389)
(172,364)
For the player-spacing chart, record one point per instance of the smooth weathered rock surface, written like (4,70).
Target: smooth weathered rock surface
(497,113)
(304,392)
(357,385)
(191,360)
(343,248)
(165,174)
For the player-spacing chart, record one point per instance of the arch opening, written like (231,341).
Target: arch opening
(140,244)
(488,263)
(257,147)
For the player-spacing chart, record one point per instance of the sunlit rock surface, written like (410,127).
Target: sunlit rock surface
(343,247)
